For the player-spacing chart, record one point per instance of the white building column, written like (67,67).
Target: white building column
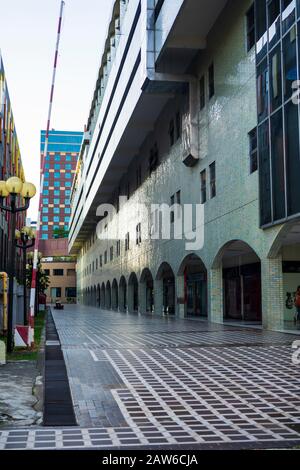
(272,293)
(215,292)
(180,296)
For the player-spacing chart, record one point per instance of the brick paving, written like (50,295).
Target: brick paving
(142,381)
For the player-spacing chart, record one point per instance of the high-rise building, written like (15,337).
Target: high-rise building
(196,104)
(60,166)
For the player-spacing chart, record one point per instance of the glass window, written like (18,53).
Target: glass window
(67,202)
(67,210)
(45,228)
(68,175)
(47,158)
(277,159)
(275,79)
(56,166)
(45,200)
(274,22)
(289,62)
(67,219)
(56,175)
(264,174)
(46,183)
(68,166)
(56,201)
(288,14)
(202,92)
(261,29)
(45,210)
(56,210)
(68,158)
(45,218)
(58,272)
(253,150)
(57,158)
(203,186)
(262,90)
(172,132)
(68,184)
(56,192)
(67,192)
(250,28)
(292,157)
(55,218)
(46,192)
(44,236)
(56,184)
(47,166)
(46,174)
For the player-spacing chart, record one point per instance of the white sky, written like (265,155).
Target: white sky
(27,41)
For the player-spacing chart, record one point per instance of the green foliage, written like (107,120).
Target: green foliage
(42,279)
(60,233)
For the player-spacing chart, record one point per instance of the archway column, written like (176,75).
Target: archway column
(180,306)
(216,295)
(142,298)
(272,293)
(158,296)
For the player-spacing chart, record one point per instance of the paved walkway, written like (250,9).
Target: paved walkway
(151,381)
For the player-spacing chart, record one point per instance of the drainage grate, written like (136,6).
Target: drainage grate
(58,406)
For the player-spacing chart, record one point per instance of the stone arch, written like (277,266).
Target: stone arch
(146,292)
(236,292)
(192,286)
(133,293)
(165,290)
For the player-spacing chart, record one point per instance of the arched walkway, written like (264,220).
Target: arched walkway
(108,296)
(95,297)
(146,294)
(284,273)
(165,290)
(239,288)
(114,295)
(122,295)
(192,287)
(102,297)
(133,293)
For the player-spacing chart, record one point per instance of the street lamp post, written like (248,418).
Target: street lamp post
(27,240)
(13,187)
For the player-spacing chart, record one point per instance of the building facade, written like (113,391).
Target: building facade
(60,166)
(196,107)
(10,165)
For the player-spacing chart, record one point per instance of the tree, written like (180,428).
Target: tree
(43,280)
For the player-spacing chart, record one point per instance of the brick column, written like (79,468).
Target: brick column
(215,295)
(272,293)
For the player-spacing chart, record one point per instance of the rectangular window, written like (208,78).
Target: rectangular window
(100,261)
(202,92)
(56,192)
(47,272)
(46,192)
(127,241)
(55,210)
(111,253)
(55,218)
(57,158)
(56,166)
(56,201)
(118,248)
(211,81)
(68,166)
(70,292)
(58,272)
(274,22)
(172,215)
(250,28)
(138,234)
(105,257)
(264,174)
(45,218)
(203,186)
(253,150)
(212,180)
(45,210)
(153,160)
